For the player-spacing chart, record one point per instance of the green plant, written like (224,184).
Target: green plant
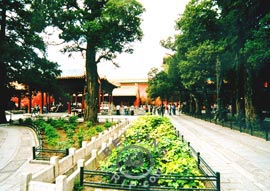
(70,133)
(108,124)
(68,126)
(99,128)
(41,124)
(80,136)
(28,121)
(64,144)
(50,131)
(77,186)
(57,123)
(91,132)
(154,137)
(73,120)
(89,124)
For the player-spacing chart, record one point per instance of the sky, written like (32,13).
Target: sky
(158,24)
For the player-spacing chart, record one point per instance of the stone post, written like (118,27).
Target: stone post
(60,182)
(55,162)
(25,180)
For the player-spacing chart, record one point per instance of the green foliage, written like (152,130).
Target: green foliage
(89,124)
(23,57)
(99,128)
(68,126)
(50,127)
(57,123)
(106,28)
(50,132)
(91,132)
(77,186)
(169,155)
(80,136)
(41,124)
(227,42)
(108,124)
(258,48)
(64,144)
(28,121)
(160,86)
(70,133)
(73,120)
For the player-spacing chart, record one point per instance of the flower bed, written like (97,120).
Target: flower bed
(57,135)
(152,155)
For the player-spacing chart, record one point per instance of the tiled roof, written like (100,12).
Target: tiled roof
(131,80)
(71,77)
(125,91)
(73,72)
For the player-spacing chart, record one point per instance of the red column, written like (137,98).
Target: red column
(99,92)
(69,108)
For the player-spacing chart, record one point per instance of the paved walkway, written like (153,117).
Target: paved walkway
(242,160)
(15,153)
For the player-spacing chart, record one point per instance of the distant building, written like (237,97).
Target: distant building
(130,92)
(123,92)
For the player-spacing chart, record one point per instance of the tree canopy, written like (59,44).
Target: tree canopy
(159,85)
(23,51)
(226,42)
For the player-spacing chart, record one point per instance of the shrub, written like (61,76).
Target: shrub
(69,126)
(89,124)
(64,144)
(28,121)
(91,132)
(73,120)
(77,186)
(58,123)
(70,133)
(50,132)
(108,124)
(80,136)
(41,124)
(99,128)
(155,138)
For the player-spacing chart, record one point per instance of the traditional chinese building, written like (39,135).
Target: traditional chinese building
(123,92)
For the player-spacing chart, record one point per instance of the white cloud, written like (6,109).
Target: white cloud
(159,22)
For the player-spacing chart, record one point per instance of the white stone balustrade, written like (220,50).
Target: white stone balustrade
(55,172)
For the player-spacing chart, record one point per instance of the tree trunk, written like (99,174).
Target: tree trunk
(197,105)
(30,102)
(3,73)
(91,96)
(42,102)
(239,102)
(219,84)
(4,94)
(2,113)
(250,114)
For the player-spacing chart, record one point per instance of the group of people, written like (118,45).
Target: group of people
(170,109)
(127,110)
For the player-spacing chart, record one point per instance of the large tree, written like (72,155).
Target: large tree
(196,48)
(257,52)
(21,46)
(159,85)
(240,18)
(100,28)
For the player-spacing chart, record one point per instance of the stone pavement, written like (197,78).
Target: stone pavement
(15,154)
(242,160)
